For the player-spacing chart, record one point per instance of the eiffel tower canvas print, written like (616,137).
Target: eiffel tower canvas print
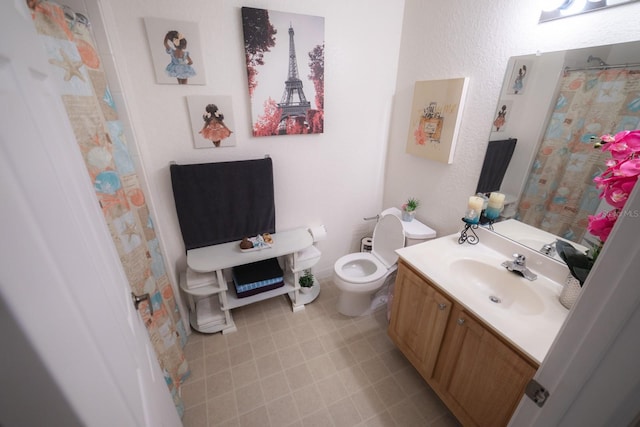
(284,53)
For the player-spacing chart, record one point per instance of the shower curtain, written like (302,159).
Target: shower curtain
(72,53)
(560,194)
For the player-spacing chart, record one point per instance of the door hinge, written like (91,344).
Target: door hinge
(537,392)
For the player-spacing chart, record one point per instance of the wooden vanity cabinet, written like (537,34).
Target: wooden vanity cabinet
(479,376)
(418,320)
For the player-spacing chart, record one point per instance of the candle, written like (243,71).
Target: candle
(485,200)
(496,200)
(474,209)
(476,203)
(492,213)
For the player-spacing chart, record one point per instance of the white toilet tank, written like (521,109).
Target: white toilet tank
(414,231)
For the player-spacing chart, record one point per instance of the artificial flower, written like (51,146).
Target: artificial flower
(623,144)
(600,225)
(618,180)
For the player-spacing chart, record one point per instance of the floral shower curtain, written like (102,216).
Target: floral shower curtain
(72,52)
(560,193)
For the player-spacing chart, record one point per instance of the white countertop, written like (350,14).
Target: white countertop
(532,330)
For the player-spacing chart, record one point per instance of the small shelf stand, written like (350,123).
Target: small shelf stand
(205,277)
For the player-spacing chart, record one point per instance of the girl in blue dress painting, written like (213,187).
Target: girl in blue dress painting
(180,66)
(518,83)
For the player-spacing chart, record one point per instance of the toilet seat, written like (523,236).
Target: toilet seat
(351,266)
(366,267)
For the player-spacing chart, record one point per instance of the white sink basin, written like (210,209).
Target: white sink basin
(526,313)
(501,288)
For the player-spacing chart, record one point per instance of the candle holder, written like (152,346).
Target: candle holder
(489,216)
(468,234)
(487,222)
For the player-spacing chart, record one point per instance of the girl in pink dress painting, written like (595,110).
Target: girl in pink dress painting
(214,128)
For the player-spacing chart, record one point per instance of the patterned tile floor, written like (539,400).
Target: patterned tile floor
(311,368)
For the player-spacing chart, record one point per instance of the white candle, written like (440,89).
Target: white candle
(476,203)
(474,208)
(496,200)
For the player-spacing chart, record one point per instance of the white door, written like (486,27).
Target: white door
(60,276)
(592,371)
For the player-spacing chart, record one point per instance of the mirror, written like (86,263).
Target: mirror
(538,106)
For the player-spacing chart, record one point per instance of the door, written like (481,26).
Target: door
(60,278)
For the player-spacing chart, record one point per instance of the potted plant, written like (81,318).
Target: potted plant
(306,281)
(409,209)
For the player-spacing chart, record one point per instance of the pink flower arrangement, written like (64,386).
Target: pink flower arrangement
(617,182)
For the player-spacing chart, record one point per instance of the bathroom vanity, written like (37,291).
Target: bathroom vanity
(474,331)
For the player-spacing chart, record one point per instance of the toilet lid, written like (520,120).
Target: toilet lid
(412,229)
(387,237)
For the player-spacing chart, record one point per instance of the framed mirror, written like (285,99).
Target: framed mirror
(553,103)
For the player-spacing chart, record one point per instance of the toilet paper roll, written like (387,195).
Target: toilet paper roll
(318,233)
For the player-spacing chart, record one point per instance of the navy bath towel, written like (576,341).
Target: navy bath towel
(223,202)
(496,161)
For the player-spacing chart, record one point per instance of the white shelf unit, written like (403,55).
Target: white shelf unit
(294,248)
(208,291)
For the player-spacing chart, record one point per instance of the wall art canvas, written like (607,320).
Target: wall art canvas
(502,115)
(284,55)
(176,51)
(520,75)
(435,118)
(211,121)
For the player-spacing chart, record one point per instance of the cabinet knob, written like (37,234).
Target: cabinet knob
(442,306)
(461,321)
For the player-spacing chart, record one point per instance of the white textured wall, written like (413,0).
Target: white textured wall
(474,39)
(334,178)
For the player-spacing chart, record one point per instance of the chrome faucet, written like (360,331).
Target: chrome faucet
(519,265)
(549,249)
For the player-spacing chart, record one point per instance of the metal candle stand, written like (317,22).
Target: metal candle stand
(487,221)
(468,234)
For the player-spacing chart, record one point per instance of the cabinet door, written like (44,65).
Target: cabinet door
(480,377)
(418,320)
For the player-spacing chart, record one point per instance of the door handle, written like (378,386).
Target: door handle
(137,299)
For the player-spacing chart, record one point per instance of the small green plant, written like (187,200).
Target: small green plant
(411,205)
(306,280)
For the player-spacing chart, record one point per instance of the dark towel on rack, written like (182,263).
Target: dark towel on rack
(496,161)
(223,202)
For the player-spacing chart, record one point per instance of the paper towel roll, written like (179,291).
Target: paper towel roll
(318,233)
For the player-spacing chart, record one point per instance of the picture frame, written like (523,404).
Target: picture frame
(435,118)
(176,51)
(210,115)
(502,115)
(284,103)
(519,76)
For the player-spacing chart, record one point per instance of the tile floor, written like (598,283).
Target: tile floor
(311,368)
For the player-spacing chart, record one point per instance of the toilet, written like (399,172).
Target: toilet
(360,275)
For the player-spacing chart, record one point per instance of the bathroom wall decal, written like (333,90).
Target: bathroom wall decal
(284,47)
(502,115)
(176,51)
(212,122)
(435,118)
